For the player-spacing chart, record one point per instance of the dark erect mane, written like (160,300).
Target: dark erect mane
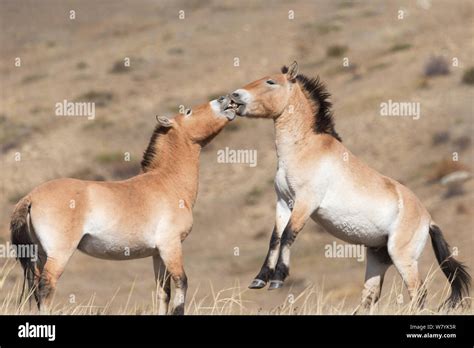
(150,153)
(316,90)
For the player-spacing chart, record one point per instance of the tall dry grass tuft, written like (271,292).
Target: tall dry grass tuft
(313,300)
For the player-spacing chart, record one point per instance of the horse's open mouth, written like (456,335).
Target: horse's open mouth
(237,107)
(232,105)
(228,104)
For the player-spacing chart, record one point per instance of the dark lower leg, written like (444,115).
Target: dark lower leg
(181,286)
(163,283)
(282,269)
(45,291)
(268,267)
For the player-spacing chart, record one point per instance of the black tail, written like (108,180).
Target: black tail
(454,270)
(21,238)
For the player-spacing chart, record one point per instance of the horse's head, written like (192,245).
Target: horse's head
(203,122)
(267,97)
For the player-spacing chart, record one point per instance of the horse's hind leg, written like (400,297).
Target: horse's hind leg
(51,263)
(51,270)
(172,257)
(378,261)
(408,269)
(163,284)
(405,248)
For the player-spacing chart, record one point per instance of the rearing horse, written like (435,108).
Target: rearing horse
(147,215)
(318,177)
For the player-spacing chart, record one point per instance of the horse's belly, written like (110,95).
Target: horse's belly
(356,223)
(351,232)
(114,246)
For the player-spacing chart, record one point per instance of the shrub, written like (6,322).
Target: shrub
(468,76)
(400,47)
(436,66)
(336,50)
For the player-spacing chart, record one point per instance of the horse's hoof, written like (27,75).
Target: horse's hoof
(179,310)
(275,284)
(257,284)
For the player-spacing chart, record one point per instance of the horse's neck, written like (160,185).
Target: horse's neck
(294,127)
(177,163)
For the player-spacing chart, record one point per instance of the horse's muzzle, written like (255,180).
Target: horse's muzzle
(236,104)
(227,107)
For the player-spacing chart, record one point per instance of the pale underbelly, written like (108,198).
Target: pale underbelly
(354,229)
(114,247)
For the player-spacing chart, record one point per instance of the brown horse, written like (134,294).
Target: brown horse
(147,215)
(318,177)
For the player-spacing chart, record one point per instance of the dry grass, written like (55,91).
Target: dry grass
(313,300)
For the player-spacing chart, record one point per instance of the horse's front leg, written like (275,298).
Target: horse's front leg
(283,213)
(299,215)
(172,256)
(163,284)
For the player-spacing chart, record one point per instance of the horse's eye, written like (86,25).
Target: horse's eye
(271,82)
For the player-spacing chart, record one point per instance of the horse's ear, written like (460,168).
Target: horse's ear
(164,121)
(292,71)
